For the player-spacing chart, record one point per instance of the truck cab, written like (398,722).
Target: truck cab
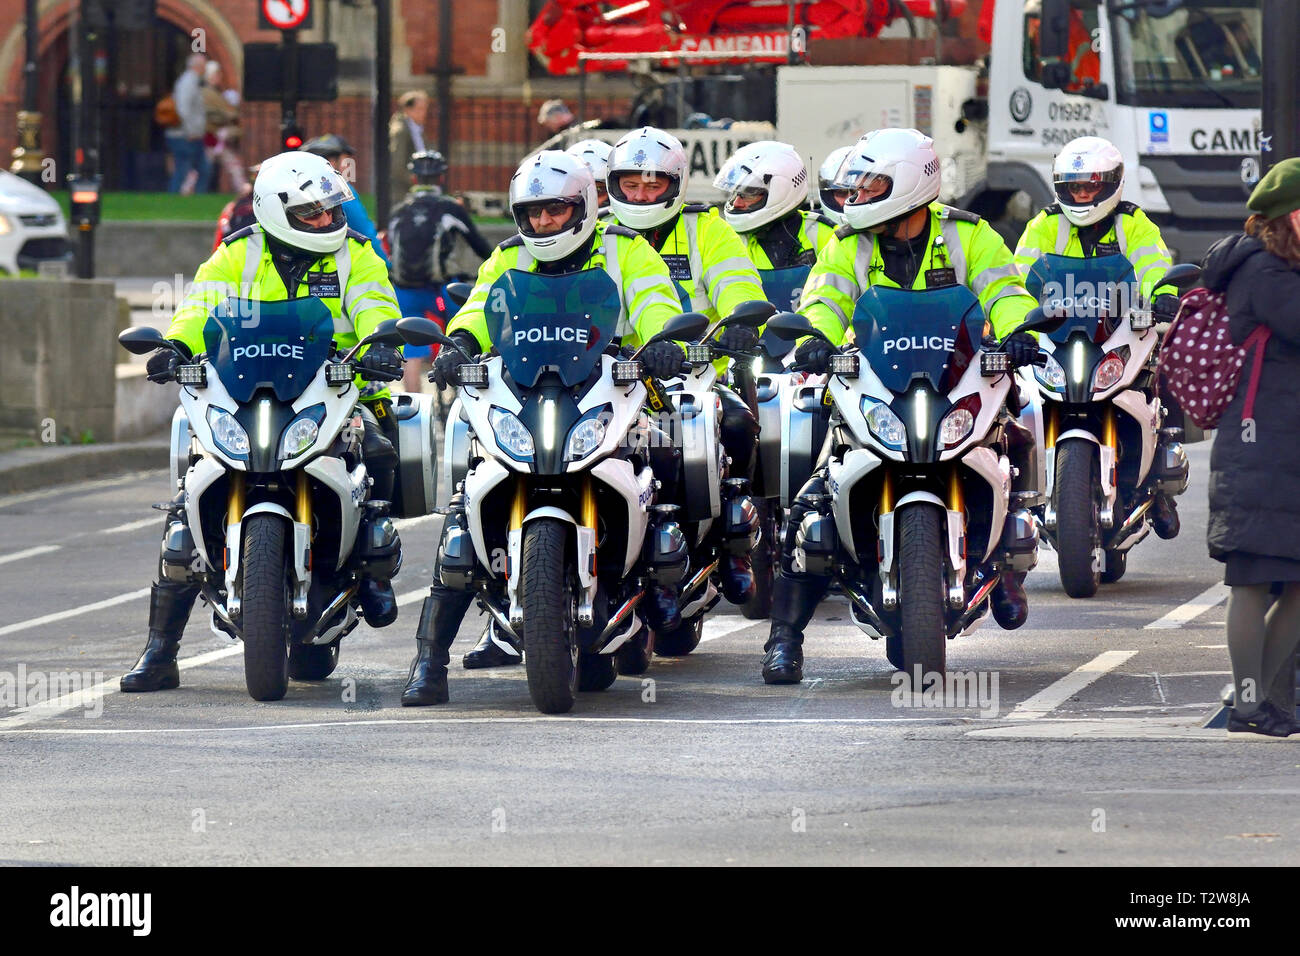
(1174,84)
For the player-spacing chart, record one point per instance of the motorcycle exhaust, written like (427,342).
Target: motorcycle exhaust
(973,606)
(696,580)
(620,616)
(499,616)
(860,600)
(1132,523)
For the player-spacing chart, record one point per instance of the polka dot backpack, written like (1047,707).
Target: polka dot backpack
(1199,365)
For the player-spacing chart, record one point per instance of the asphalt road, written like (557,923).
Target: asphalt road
(1090,752)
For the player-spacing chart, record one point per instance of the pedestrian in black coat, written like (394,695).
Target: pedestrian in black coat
(1254,523)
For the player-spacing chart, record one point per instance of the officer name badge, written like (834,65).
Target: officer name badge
(679,266)
(323,285)
(938,278)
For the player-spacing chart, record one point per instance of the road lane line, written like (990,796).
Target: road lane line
(87,697)
(1054,695)
(1210,597)
(30,553)
(716,627)
(73,612)
(410,597)
(77,489)
(131,525)
(401,524)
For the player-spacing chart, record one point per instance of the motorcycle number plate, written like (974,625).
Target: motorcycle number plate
(323,284)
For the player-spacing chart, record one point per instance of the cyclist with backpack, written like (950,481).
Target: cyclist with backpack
(1254,525)
(1089,219)
(432,241)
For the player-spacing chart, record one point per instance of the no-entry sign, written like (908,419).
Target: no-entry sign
(285,14)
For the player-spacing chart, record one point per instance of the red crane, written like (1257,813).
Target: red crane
(566,28)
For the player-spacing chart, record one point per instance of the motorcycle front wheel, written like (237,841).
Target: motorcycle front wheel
(924,641)
(265,620)
(1078,531)
(550,641)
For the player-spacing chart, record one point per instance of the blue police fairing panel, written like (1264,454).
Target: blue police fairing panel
(931,334)
(1094,293)
(276,345)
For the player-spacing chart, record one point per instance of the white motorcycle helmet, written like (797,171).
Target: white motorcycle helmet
(595,153)
(770,175)
(904,161)
(552,176)
(648,150)
(832,208)
(291,187)
(1089,159)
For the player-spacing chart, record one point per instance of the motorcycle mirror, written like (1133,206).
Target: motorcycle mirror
(386,332)
(752,313)
(1182,275)
(1039,321)
(687,327)
(459,292)
(789,326)
(417,330)
(141,340)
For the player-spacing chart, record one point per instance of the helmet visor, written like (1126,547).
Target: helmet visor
(864,178)
(1085,188)
(313,208)
(547,217)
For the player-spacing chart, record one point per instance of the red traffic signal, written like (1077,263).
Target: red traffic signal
(292,141)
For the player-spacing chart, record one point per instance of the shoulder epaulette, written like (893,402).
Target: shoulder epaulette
(1053,210)
(819,218)
(1127,208)
(844,231)
(960,215)
(353,234)
(697,207)
(614,229)
(239,234)
(512,242)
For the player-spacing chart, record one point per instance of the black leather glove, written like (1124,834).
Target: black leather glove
(738,338)
(381,363)
(1165,307)
(813,355)
(1021,348)
(162,364)
(443,373)
(663,359)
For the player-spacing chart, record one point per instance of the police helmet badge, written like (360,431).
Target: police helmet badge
(535,188)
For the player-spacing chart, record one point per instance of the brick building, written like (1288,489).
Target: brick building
(497,87)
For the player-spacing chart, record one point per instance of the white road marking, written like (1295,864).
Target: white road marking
(86,697)
(537,719)
(1121,728)
(131,526)
(73,612)
(80,488)
(401,524)
(716,627)
(1211,647)
(1054,695)
(410,597)
(1193,609)
(29,553)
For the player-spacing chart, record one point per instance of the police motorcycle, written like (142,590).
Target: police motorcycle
(550,496)
(922,520)
(1106,454)
(266,448)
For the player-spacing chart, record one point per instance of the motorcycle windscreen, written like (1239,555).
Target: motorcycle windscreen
(905,334)
(783,288)
(276,345)
(1094,293)
(552,323)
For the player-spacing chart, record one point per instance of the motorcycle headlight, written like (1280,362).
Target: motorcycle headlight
(228,433)
(512,437)
(301,433)
(957,424)
(884,424)
(1051,375)
(1109,371)
(585,437)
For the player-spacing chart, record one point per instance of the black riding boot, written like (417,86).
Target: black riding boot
(1009,602)
(494,649)
(169,608)
(439,619)
(794,600)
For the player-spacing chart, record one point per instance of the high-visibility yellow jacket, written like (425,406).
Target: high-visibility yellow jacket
(648,297)
(707,260)
(851,263)
(815,232)
(1132,234)
(353,284)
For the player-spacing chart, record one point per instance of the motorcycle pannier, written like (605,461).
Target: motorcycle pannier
(418,434)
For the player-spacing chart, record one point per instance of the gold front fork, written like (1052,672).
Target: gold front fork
(1108,428)
(520,505)
(1049,426)
(955,500)
(588,503)
(235,502)
(303,508)
(887,494)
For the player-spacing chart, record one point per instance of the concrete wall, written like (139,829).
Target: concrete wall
(59,357)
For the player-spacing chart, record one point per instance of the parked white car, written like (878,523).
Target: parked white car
(32,227)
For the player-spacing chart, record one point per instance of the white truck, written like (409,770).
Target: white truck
(1175,84)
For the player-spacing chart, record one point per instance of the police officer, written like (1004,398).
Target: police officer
(766,188)
(299,246)
(428,234)
(553,201)
(714,274)
(1089,219)
(831,196)
(897,235)
(595,153)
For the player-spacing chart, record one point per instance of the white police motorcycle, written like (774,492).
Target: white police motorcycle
(1106,454)
(922,517)
(552,514)
(266,448)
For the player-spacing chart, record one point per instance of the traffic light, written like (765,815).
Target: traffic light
(291,137)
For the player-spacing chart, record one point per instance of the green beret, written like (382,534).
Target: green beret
(1278,193)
